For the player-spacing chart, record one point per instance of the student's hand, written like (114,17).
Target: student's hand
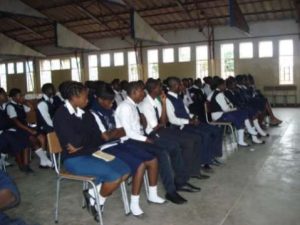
(163,97)
(71,149)
(149,141)
(33,132)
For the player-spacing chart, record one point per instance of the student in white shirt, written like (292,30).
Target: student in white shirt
(223,110)
(115,84)
(180,117)
(172,169)
(136,158)
(156,116)
(17,111)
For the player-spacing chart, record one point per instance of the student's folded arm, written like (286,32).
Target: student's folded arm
(43,109)
(172,117)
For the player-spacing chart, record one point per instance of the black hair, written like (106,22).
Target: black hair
(105,91)
(151,84)
(207,80)
(71,89)
(217,81)
(133,86)
(62,85)
(124,85)
(229,81)
(14,92)
(115,81)
(173,80)
(2,91)
(198,81)
(46,87)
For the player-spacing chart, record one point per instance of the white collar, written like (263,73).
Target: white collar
(78,112)
(131,101)
(13,102)
(151,100)
(46,98)
(173,94)
(195,86)
(116,92)
(58,94)
(3,106)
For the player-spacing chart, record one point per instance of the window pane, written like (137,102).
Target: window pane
(286,62)
(202,52)
(265,49)
(168,55)
(133,72)
(119,59)
(3,82)
(184,54)
(152,56)
(29,76)
(45,77)
(93,73)
(132,57)
(246,50)
(105,60)
(45,65)
(227,60)
(65,64)
(55,64)
(20,67)
(10,68)
(286,47)
(93,61)
(75,62)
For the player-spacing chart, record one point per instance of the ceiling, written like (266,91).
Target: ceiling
(95,19)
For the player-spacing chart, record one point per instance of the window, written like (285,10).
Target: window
(45,74)
(286,62)
(227,60)
(76,69)
(201,61)
(265,49)
(20,67)
(168,55)
(184,54)
(55,64)
(93,67)
(10,68)
(65,64)
(3,82)
(119,59)
(246,50)
(29,76)
(105,60)
(152,57)
(132,66)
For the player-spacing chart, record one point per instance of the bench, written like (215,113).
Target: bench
(283,93)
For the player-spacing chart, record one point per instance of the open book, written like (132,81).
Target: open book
(104,156)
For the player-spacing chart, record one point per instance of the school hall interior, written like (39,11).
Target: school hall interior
(225,75)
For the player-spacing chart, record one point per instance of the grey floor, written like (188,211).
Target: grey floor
(256,186)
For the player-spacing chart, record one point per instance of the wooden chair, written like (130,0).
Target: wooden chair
(229,125)
(55,150)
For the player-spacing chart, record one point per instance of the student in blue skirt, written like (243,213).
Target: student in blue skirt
(80,137)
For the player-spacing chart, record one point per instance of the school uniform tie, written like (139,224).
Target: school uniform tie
(140,115)
(156,114)
(121,96)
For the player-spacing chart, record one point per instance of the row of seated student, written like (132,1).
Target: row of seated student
(150,129)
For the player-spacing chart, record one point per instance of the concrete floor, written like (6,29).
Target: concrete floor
(256,186)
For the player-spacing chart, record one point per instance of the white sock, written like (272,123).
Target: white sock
(241,136)
(39,152)
(135,205)
(93,198)
(258,128)
(153,197)
(256,140)
(251,130)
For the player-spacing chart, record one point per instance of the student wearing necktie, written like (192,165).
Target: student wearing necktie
(155,113)
(180,118)
(136,158)
(168,152)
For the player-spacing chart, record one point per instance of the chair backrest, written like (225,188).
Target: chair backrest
(53,143)
(207,111)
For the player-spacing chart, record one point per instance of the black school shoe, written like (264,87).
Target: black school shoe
(175,198)
(200,176)
(187,187)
